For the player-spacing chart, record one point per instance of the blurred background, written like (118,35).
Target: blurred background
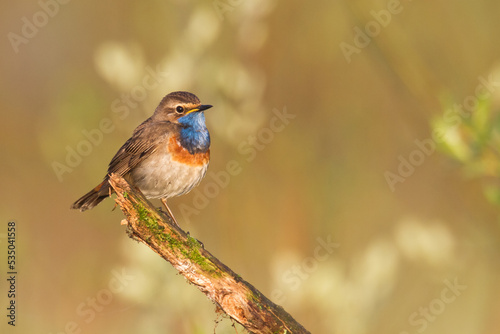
(354,173)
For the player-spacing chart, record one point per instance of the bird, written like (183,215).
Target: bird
(166,156)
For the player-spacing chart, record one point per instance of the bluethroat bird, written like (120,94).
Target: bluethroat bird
(167,155)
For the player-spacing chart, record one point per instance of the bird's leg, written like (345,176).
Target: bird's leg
(164,201)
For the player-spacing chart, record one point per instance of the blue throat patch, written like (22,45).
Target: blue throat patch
(194,133)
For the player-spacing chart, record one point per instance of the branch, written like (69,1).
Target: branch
(236,297)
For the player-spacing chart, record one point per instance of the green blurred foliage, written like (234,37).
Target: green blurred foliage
(474,143)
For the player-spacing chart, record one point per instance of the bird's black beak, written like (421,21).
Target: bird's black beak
(200,108)
(204,107)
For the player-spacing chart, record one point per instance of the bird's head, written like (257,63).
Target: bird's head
(181,107)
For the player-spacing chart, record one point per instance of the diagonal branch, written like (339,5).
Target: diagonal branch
(236,297)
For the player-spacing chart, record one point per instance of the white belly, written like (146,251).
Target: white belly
(164,178)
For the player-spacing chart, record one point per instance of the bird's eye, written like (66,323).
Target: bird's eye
(179,109)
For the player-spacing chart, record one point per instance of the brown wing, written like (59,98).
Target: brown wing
(146,139)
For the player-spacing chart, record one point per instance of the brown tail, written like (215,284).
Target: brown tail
(93,197)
